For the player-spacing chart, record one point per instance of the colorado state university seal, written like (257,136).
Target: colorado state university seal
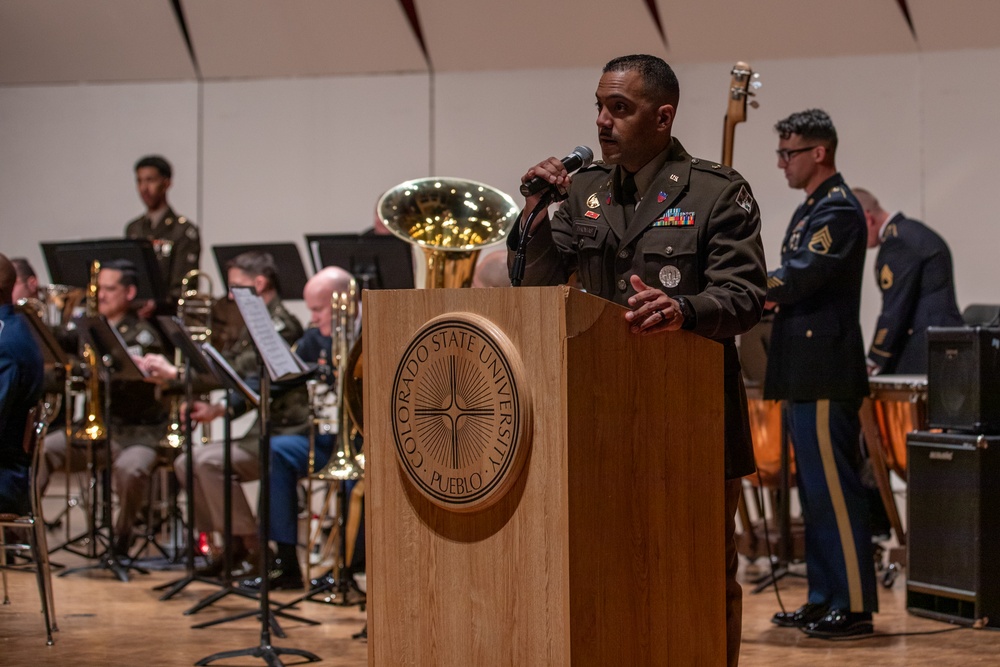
(460,412)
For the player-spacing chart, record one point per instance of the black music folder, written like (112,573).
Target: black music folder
(228,375)
(52,352)
(376,262)
(291,270)
(69,263)
(110,349)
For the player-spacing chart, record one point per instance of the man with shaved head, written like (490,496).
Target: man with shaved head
(290,453)
(915,275)
(21,379)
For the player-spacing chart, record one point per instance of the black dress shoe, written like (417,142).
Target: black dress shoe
(801,617)
(280,577)
(840,623)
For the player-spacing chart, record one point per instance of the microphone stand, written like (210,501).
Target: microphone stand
(517,268)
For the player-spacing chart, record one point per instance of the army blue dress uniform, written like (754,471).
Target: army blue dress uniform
(914,273)
(816,364)
(21,377)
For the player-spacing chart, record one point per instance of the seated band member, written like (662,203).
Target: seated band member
(290,453)
(26,286)
(138,412)
(289,414)
(175,238)
(21,372)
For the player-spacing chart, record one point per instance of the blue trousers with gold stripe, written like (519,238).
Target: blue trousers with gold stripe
(839,555)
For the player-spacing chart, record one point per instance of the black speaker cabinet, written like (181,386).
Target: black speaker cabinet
(953,520)
(963,379)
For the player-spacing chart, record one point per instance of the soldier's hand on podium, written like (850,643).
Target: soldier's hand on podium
(652,310)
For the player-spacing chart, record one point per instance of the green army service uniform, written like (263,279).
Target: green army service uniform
(289,415)
(177,243)
(695,233)
(137,422)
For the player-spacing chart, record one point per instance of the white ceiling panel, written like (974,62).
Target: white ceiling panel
(714,30)
(65,41)
(528,34)
(265,38)
(69,41)
(956,24)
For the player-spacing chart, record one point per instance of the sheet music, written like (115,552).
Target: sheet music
(279,360)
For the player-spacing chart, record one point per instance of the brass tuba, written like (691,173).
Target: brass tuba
(93,428)
(451,220)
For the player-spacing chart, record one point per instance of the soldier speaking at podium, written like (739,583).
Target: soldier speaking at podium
(675,239)
(175,238)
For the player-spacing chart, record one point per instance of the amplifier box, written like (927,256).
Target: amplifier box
(953,520)
(963,379)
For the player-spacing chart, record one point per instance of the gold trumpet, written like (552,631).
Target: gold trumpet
(345,463)
(93,427)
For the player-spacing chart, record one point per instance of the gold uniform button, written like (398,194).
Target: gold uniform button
(669,250)
(623,253)
(622,284)
(809,333)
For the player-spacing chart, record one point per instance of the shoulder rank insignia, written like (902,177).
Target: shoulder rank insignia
(890,230)
(593,201)
(885,277)
(821,241)
(744,200)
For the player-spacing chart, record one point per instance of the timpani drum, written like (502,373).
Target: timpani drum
(899,403)
(765,431)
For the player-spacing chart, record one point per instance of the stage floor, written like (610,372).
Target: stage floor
(105,622)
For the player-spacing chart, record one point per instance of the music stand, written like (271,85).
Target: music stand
(116,362)
(277,363)
(291,271)
(376,262)
(194,360)
(69,263)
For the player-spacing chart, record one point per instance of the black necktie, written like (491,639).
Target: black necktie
(628,196)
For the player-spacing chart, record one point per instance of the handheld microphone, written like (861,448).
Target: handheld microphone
(580,157)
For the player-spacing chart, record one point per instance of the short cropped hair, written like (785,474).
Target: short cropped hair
(157,162)
(23,268)
(256,263)
(812,124)
(130,277)
(658,80)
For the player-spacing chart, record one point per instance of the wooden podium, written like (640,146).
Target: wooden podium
(607,547)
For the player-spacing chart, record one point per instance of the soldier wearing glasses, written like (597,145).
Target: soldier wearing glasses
(816,365)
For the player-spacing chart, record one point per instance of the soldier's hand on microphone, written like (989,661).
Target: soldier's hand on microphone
(553,171)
